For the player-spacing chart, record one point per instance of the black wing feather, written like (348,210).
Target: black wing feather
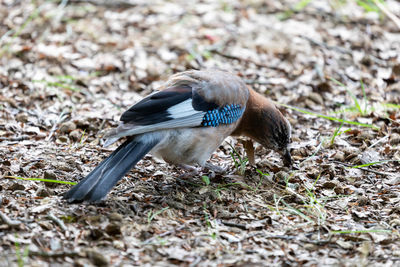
(199,103)
(153,109)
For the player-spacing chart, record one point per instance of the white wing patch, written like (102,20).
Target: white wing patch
(183,109)
(122,130)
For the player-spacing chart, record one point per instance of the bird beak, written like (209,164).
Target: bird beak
(287,158)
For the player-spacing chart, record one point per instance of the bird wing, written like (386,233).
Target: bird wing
(186,101)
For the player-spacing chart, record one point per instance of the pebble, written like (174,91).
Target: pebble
(113,229)
(339,190)
(394,222)
(16,186)
(115,217)
(46,225)
(75,135)
(62,166)
(330,184)
(363,201)
(63,139)
(43,192)
(118,244)
(344,244)
(394,139)
(67,127)
(96,257)
(317,98)
(339,156)
(281,176)
(51,176)
(22,117)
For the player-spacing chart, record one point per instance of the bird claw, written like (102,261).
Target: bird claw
(190,171)
(215,168)
(194,171)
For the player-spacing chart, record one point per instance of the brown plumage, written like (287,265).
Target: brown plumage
(185,123)
(264,123)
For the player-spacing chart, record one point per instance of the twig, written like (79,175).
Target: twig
(329,47)
(237,225)
(148,241)
(258,64)
(57,221)
(106,3)
(342,50)
(9,221)
(388,13)
(17,138)
(363,168)
(380,140)
(53,254)
(53,129)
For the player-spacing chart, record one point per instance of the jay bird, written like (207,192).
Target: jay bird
(184,124)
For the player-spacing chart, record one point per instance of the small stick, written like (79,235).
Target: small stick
(388,13)
(380,140)
(258,64)
(54,128)
(363,168)
(57,221)
(9,221)
(54,254)
(237,225)
(148,241)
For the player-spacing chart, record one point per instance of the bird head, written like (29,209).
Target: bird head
(275,133)
(264,123)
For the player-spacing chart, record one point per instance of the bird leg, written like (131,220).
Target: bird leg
(193,171)
(190,171)
(215,168)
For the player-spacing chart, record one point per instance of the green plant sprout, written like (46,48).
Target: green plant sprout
(338,132)
(240,162)
(59,84)
(356,103)
(299,6)
(40,180)
(19,30)
(361,231)
(151,215)
(370,6)
(206,180)
(371,164)
(21,259)
(304,111)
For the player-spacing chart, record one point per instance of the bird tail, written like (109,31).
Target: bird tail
(99,182)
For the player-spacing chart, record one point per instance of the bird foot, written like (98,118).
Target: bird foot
(190,171)
(215,168)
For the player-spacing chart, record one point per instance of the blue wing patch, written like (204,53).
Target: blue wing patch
(224,115)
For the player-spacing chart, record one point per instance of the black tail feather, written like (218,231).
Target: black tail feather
(100,181)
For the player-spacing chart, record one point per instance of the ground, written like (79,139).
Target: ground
(68,69)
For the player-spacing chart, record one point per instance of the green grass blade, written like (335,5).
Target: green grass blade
(336,133)
(58,84)
(356,103)
(391,105)
(296,211)
(301,5)
(328,117)
(372,163)
(40,180)
(364,96)
(362,231)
